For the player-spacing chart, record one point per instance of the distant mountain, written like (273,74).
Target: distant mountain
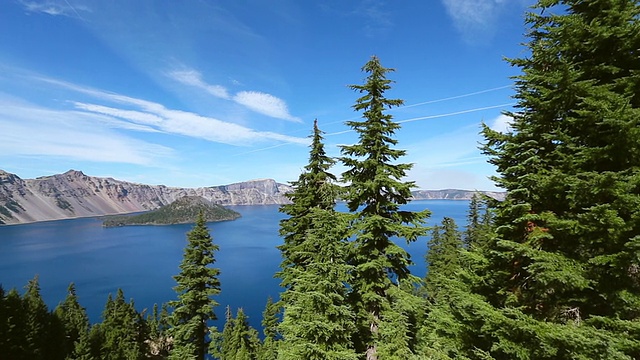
(182,211)
(454,194)
(74,194)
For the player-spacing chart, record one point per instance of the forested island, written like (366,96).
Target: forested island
(550,272)
(182,211)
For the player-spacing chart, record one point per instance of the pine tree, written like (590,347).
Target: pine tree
(123,330)
(239,341)
(73,319)
(443,256)
(197,283)
(38,321)
(375,193)
(14,325)
(561,280)
(270,323)
(317,321)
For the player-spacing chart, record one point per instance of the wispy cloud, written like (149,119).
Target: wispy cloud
(171,121)
(478,18)
(265,104)
(377,18)
(103,128)
(194,78)
(260,102)
(54,8)
(30,130)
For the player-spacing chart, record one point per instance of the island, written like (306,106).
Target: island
(182,211)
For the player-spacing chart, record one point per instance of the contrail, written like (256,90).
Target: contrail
(454,113)
(74,10)
(454,97)
(436,116)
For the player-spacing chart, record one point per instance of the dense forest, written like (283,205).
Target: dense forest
(551,272)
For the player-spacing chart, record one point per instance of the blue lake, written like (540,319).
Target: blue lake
(142,259)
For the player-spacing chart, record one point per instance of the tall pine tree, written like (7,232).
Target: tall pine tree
(375,192)
(317,321)
(561,279)
(197,283)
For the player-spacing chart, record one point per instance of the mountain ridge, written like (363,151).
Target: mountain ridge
(73,194)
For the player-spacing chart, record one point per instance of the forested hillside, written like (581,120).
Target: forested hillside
(550,272)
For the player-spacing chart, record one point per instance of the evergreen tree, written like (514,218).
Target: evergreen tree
(158,325)
(313,189)
(197,283)
(239,341)
(270,323)
(73,319)
(38,322)
(14,325)
(317,321)
(123,330)
(375,193)
(560,279)
(443,256)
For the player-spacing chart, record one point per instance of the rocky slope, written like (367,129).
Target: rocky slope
(74,194)
(453,194)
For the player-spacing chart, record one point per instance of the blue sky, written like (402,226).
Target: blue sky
(202,93)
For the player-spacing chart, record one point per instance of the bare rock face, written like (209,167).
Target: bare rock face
(74,194)
(453,194)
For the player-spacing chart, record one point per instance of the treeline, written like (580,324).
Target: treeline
(551,272)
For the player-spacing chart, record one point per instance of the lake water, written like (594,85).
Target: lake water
(142,259)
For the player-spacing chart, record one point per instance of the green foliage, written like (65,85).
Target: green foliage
(123,330)
(443,256)
(197,283)
(375,193)
(317,321)
(73,320)
(270,321)
(564,258)
(239,341)
(182,211)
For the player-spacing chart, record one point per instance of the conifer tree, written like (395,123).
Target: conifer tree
(197,283)
(38,322)
(317,320)
(561,279)
(239,341)
(375,193)
(443,256)
(270,323)
(122,330)
(73,319)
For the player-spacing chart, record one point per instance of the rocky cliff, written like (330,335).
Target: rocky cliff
(74,194)
(453,194)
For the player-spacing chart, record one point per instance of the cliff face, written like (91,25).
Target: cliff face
(74,194)
(453,194)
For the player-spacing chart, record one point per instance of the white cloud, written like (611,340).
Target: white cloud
(262,103)
(184,123)
(265,104)
(502,124)
(478,18)
(53,8)
(29,130)
(194,78)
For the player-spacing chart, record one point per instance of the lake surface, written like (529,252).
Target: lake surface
(142,259)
